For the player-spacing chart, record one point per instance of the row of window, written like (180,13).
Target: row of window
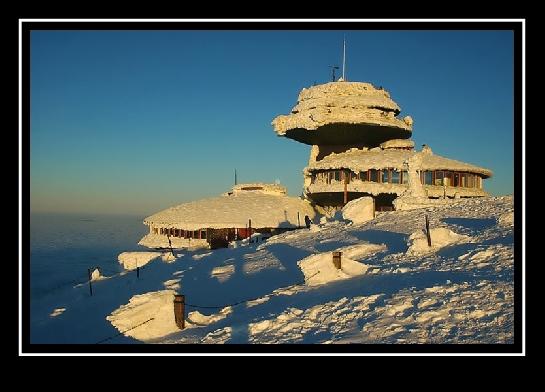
(196,234)
(385,176)
(393,176)
(450,178)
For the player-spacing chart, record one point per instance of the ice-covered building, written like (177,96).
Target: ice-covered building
(361,148)
(235,215)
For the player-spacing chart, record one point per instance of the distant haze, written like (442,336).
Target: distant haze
(137,121)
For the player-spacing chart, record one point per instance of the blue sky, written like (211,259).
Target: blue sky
(137,121)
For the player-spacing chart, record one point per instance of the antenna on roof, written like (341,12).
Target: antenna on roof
(235,176)
(344,55)
(333,68)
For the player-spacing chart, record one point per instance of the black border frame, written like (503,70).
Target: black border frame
(27,26)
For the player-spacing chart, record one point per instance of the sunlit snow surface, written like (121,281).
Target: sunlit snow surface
(460,291)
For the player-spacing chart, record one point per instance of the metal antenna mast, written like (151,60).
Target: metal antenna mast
(344,56)
(333,68)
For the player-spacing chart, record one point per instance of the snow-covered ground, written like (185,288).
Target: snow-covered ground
(131,260)
(391,287)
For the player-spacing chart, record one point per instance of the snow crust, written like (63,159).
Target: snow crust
(319,269)
(440,237)
(359,210)
(131,260)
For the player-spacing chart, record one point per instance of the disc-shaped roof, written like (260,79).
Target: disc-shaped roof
(338,113)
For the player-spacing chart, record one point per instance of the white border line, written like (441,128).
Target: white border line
(273,20)
(523,332)
(523,81)
(20,242)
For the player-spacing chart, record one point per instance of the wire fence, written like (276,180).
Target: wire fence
(124,332)
(247,300)
(201,307)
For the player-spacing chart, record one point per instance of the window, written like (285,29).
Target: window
(337,175)
(196,234)
(203,234)
(447,178)
(439,177)
(373,175)
(404,177)
(353,176)
(456,179)
(395,177)
(363,175)
(346,176)
(385,176)
(426,177)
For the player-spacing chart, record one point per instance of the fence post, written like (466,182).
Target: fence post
(90,286)
(179,310)
(428,231)
(337,259)
(250,231)
(345,193)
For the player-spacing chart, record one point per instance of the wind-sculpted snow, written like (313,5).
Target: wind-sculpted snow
(258,293)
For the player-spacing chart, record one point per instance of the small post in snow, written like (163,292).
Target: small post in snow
(298,221)
(428,231)
(337,259)
(250,231)
(90,285)
(179,310)
(345,193)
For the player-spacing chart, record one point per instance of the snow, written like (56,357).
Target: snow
(319,269)
(158,306)
(341,102)
(461,292)
(95,275)
(359,210)
(168,257)
(397,143)
(361,160)
(440,237)
(199,319)
(131,260)
(507,219)
(161,241)
(172,284)
(271,210)
(223,273)
(56,312)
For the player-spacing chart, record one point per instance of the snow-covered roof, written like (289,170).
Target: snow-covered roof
(343,113)
(266,210)
(275,189)
(397,143)
(359,160)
